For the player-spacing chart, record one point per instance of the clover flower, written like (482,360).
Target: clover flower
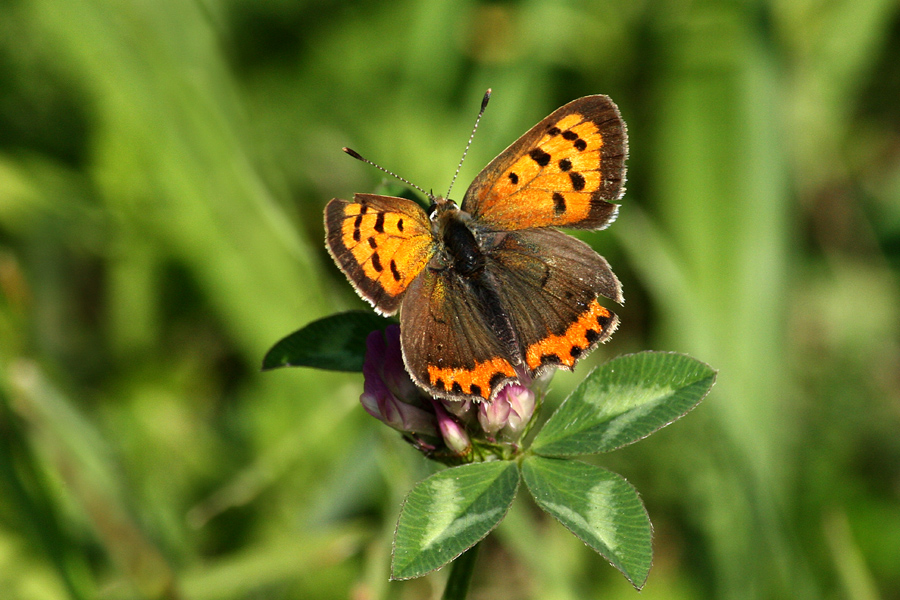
(389,394)
(451,431)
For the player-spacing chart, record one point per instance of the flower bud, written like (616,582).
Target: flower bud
(454,435)
(461,409)
(521,404)
(493,415)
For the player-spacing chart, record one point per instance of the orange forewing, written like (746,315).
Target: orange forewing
(381,243)
(562,173)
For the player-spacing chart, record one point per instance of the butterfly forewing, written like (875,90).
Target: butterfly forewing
(562,173)
(381,244)
(548,284)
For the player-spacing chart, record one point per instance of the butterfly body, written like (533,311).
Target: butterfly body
(489,292)
(461,251)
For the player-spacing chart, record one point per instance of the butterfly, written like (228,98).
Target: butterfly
(489,291)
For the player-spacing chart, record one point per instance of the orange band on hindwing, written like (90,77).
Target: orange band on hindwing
(478,381)
(594,325)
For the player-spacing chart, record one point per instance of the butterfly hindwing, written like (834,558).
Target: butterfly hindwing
(564,172)
(457,343)
(381,243)
(548,284)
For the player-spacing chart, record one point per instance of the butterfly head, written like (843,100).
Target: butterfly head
(442,212)
(440,206)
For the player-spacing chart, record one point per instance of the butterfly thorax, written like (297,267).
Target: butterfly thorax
(461,250)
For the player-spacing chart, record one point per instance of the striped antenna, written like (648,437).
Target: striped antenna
(357,156)
(484,103)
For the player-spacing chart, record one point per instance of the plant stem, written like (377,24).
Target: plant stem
(461,575)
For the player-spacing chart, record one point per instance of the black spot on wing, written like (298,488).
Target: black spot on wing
(577,180)
(356,234)
(376,262)
(379,223)
(372,243)
(550,359)
(513,178)
(475,389)
(496,378)
(559,203)
(394,270)
(580,145)
(545,277)
(565,164)
(540,157)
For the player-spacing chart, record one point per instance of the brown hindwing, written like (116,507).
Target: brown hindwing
(449,345)
(549,284)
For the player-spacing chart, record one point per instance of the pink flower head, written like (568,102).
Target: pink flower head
(388,392)
(494,414)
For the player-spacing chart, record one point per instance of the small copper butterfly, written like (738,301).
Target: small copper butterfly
(488,290)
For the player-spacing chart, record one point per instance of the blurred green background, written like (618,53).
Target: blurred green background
(163,169)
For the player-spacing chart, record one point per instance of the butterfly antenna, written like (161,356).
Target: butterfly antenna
(484,103)
(357,156)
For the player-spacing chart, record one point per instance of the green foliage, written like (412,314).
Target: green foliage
(599,507)
(335,343)
(632,396)
(623,401)
(450,512)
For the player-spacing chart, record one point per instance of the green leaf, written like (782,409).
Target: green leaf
(599,507)
(624,401)
(336,343)
(450,512)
